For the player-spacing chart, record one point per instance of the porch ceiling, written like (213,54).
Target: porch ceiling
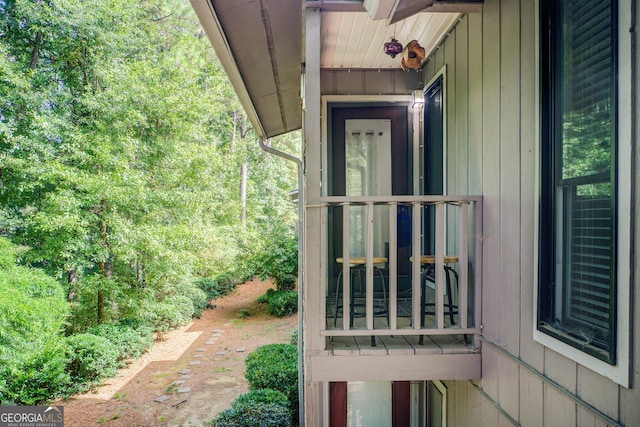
(259,43)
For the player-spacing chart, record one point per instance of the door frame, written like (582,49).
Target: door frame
(441,73)
(365,101)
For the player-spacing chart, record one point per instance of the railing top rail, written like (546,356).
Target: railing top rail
(335,200)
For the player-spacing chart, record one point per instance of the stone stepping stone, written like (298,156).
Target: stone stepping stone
(184,390)
(184,371)
(177,382)
(198,355)
(210,342)
(221,353)
(195,362)
(162,399)
(186,376)
(241,349)
(201,349)
(216,335)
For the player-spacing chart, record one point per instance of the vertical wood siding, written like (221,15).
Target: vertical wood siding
(492,120)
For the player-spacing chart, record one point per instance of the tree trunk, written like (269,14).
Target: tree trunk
(72,281)
(106,270)
(243,195)
(36,51)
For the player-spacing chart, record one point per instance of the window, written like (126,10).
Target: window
(582,281)
(578,228)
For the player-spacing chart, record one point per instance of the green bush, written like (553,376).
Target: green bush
(33,311)
(278,258)
(254,414)
(91,358)
(197,296)
(128,341)
(264,298)
(263,395)
(283,303)
(35,378)
(166,315)
(294,336)
(216,288)
(275,367)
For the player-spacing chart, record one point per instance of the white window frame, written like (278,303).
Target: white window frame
(620,372)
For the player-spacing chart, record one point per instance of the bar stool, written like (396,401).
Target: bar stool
(358,267)
(451,309)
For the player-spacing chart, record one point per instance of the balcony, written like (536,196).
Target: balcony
(372,275)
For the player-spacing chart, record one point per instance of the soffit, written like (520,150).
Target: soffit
(354,40)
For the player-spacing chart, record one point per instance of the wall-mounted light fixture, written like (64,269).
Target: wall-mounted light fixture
(417,98)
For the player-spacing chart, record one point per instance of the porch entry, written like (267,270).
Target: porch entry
(387,404)
(369,155)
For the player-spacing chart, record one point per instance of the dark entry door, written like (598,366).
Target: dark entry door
(433,156)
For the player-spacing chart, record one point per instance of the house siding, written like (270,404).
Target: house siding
(368,82)
(492,120)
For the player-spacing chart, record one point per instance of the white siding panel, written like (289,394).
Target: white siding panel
(558,410)
(460,107)
(530,351)
(475,98)
(561,369)
(474,418)
(509,173)
(530,394)
(602,394)
(508,385)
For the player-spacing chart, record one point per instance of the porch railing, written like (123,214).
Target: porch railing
(449,225)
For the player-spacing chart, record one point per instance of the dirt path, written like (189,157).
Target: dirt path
(200,368)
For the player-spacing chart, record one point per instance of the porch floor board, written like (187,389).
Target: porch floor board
(399,345)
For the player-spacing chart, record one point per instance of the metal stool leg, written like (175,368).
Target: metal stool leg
(335,311)
(449,294)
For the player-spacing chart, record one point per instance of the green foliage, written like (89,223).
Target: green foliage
(165,315)
(275,367)
(278,257)
(253,414)
(32,314)
(264,395)
(215,288)
(129,341)
(281,303)
(91,359)
(122,147)
(294,337)
(35,377)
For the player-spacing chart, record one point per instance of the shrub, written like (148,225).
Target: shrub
(128,341)
(197,296)
(283,303)
(254,414)
(263,395)
(264,298)
(34,378)
(91,358)
(165,315)
(275,367)
(216,288)
(33,311)
(294,336)
(278,258)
